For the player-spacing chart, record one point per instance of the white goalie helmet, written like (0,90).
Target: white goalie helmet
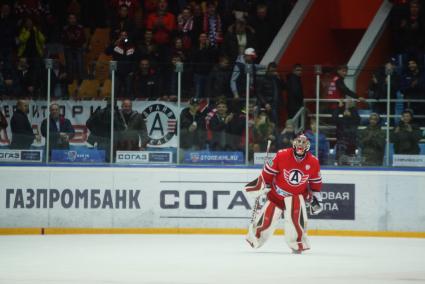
(301,145)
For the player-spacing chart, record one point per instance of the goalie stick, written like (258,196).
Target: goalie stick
(257,200)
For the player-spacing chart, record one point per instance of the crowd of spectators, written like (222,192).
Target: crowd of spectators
(219,44)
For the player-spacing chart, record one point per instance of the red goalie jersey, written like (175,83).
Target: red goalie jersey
(288,175)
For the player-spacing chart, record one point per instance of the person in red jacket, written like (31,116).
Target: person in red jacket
(290,179)
(162,23)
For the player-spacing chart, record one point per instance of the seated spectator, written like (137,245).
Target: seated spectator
(347,120)
(146,82)
(287,135)
(61,129)
(269,92)
(218,80)
(413,87)
(202,59)
(74,40)
(22,133)
(193,132)
(378,88)
(124,52)
(323,143)
(21,81)
(372,142)
(133,136)
(238,38)
(406,135)
(58,81)
(294,88)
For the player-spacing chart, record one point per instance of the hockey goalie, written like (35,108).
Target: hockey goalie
(289,181)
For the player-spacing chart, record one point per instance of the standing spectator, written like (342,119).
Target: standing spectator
(269,92)
(323,143)
(146,82)
(238,38)
(147,48)
(413,87)
(185,28)
(131,6)
(74,41)
(7,36)
(295,91)
(218,80)
(22,132)
(162,24)
(61,129)
(133,136)
(264,34)
(192,135)
(124,52)
(122,23)
(372,142)
(347,120)
(409,32)
(219,126)
(337,88)
(244,65)
(211,25)
(379,85)
(406,135)
(202,60)
(31,42)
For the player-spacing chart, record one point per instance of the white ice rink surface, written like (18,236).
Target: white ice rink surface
(205,259)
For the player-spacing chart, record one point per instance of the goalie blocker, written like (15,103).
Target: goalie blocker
(286,181)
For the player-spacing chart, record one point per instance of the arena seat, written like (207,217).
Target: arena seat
(88,89)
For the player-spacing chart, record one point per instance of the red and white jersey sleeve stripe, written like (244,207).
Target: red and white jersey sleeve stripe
(315,180)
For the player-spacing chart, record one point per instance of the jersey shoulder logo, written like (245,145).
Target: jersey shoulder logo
(295,177)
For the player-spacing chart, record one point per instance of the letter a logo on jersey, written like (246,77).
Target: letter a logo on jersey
(295,177)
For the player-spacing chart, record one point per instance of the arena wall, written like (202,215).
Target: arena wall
(196,200)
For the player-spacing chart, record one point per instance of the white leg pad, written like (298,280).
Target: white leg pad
(295,215)
(264,225)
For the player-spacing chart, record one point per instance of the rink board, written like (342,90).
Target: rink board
(196,200)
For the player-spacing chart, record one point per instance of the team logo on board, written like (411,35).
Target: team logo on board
(295,177)
(161,123)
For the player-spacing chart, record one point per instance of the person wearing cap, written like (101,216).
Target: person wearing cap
(372,142)
(192,126)
(245,64)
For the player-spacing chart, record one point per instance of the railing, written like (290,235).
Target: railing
(93,128)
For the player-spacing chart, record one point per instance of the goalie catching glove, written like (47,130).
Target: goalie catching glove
(316,205)
(257,187)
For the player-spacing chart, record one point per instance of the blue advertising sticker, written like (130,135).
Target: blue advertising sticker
(79,156)
(213,157)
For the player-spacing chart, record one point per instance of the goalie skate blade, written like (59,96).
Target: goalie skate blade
(294,251)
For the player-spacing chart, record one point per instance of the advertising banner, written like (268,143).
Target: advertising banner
(80,155)
(213,157)
(17,156)
(144,157)
(408,160)
(160,117)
